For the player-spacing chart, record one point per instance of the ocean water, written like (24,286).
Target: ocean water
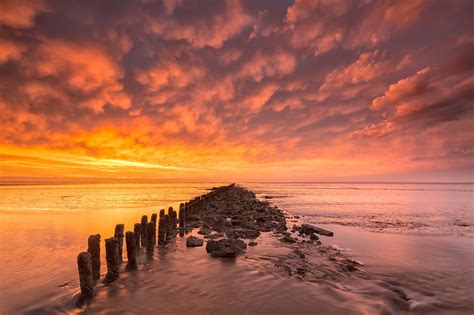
(405,208)
(416,237)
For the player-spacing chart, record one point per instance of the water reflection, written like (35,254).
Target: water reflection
(43,228)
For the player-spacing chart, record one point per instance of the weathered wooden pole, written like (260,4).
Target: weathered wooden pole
(93,248)
(84,264)
(173,217)
(153,219)
(111,255)
(162,231)
(168,227)
(150,230)
(131,250)
(143,236)
(186,207)
(119,228)
(137,233)
(182,216)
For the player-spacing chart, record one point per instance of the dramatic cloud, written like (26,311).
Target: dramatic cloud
(236,90)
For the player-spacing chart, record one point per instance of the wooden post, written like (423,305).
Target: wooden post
(143,236)
(93,248)
(84,264)
(173,218)
(162,231)
(150,230)
(131,250)
(153,219)
(167,227)
(162,213)
(111,255)
(119,228)
(137,233)
(182,216)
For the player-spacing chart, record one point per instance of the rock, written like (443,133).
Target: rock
(288,239)
(214,236)
(252,243)
(301,271)
(311,229)
(313,237)
(194,241)
(299,253)
(226,247)
(243,233)
(236,222)
(219,224)
(194,217)
(205,231)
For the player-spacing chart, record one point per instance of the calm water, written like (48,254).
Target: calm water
(418,237)
(421,209)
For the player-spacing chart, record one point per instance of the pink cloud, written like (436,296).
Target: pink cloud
(368,66)
(408,87)
(203,31)
(169,73)
(255,102)
(384,19)
(277,64)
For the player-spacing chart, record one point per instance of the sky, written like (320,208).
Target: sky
(304,90)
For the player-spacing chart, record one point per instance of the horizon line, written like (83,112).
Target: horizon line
(141,181)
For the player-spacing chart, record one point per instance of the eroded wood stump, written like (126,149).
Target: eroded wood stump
(131,250)
(93,248)
(113,263)
(84,264)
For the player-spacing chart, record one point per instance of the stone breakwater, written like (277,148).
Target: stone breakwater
(227,220)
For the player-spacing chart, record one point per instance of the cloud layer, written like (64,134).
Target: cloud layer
(237,90)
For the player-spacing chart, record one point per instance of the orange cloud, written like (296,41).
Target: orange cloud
(235,89)
(20,13)
(10,50)
(82,67)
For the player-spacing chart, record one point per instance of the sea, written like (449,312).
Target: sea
(418,237)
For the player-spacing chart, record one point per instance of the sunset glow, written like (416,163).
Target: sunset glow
(237,90)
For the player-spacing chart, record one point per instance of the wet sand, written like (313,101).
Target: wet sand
(272,277)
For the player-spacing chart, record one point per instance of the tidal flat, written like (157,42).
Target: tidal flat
(287,271)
